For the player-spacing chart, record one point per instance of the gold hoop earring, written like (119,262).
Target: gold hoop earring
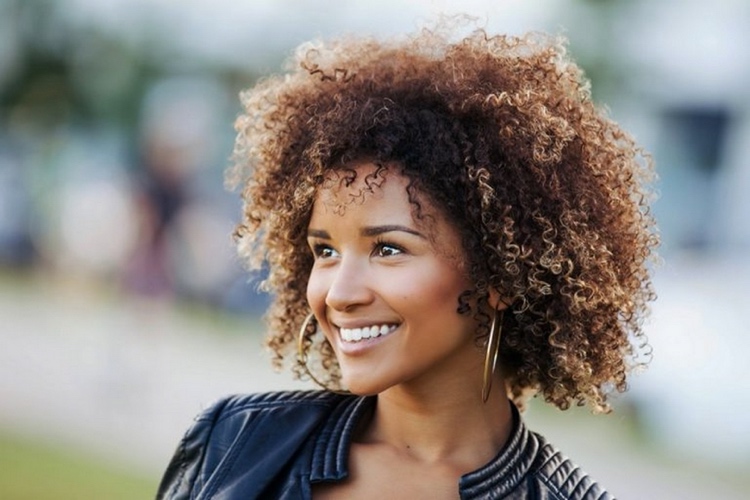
(302,355)
(490,356)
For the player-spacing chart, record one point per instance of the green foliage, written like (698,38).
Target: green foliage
(34,471)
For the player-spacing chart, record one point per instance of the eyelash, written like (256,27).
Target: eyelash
(320,249)
(381,243)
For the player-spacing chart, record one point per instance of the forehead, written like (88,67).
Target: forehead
(366,193)
(362,183)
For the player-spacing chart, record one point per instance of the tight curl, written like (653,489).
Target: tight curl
(550,196)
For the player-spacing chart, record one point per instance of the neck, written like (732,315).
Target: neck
(447,426)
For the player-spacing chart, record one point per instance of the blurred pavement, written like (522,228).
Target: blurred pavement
(122,378)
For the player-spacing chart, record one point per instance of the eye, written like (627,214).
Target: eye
(322,251)
(385,249)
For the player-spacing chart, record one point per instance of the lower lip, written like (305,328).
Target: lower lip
(360,347)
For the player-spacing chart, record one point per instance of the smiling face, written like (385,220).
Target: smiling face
(384,286)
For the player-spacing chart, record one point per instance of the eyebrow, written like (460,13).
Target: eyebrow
(377,230)
(368,231)
(317,233)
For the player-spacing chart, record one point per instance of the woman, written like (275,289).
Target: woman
(450,228)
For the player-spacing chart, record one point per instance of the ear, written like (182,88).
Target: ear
(497,301)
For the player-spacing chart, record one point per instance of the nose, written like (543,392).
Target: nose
(349,286)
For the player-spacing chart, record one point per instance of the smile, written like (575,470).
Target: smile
(367,332)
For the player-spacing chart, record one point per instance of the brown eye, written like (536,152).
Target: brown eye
(383,249)
(321,251)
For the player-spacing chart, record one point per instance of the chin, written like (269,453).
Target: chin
(361,387)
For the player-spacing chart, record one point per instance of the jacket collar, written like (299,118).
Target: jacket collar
(501,475)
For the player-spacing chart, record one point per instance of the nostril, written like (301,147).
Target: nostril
(344,298)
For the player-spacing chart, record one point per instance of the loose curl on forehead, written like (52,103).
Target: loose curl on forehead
(501,135)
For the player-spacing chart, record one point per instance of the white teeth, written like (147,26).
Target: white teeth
(367,332)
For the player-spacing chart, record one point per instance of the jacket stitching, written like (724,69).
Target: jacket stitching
(264,404)
(547,480)
(255,406)
(552,486)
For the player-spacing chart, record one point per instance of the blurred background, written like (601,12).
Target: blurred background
(123,310)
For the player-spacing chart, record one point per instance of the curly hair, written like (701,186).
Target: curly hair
(550,196)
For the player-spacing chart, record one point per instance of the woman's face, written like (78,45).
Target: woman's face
(384,287)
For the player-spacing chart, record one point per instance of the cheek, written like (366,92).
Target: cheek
(447,278)
(437,288)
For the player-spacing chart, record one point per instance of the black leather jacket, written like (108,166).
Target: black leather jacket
(274,446)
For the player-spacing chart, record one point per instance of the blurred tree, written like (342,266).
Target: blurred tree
(65,74)
(38,89)
(595,41)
